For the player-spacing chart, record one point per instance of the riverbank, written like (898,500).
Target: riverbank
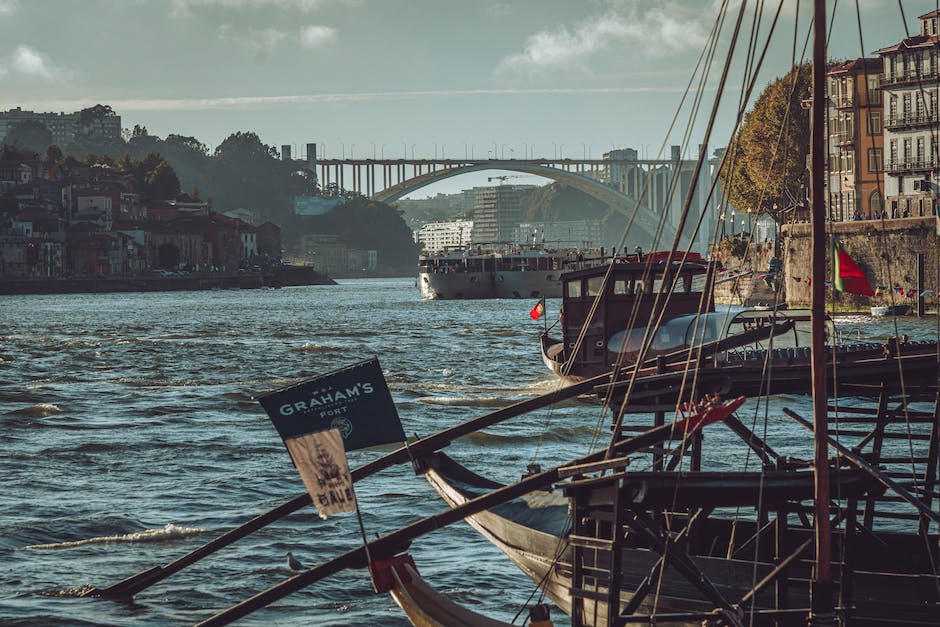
(283,276)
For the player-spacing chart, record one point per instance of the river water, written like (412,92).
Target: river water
(129,436)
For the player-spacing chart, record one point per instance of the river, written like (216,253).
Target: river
(129,436)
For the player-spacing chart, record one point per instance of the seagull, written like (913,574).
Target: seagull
(293,563)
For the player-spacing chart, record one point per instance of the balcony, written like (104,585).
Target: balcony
(842,101)
(842,140)
(909,121)
(906,78)
(906,167)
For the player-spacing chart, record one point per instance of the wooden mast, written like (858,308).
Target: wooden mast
(822,606)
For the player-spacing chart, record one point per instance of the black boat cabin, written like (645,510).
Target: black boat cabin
(627,289)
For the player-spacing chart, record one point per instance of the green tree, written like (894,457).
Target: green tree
(162,182)
(767,158)
(30,135)
(54,154)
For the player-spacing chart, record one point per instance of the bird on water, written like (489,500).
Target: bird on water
(293,563)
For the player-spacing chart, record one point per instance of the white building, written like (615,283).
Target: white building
(435,236)
(910,85)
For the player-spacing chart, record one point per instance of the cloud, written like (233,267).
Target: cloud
(9,7)
(628,27)
(185,8)
(315,35)
(30,63)
(258,102)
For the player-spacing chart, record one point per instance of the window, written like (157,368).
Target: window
(894,151)
(875,160)
(874,122)
(920,150)
(849,162)
(906,105)
(594,285)
(620,287)
(893,108)
(907,151)
(875,205)
(573,289)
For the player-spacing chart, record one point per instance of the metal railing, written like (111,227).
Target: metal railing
(910,76)
(911,166)
(910,120)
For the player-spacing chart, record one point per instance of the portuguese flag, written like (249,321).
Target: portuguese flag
(539,309)
(847,276)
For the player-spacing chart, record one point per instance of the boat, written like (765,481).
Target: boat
(732,350)
(511,271)
(601,302)
(793,543)
(879,311)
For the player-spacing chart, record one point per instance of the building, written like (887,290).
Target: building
(63,126)
(496,213)
(909,84)
(854,117)
(435,236)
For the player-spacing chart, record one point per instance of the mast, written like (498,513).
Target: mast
(822,609)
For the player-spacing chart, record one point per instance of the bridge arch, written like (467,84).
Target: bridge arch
(646,219)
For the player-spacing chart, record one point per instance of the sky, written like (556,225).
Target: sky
(385,78)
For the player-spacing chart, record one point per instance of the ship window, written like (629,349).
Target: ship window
(594,285)
(573,289)
(620,287)
(639,287)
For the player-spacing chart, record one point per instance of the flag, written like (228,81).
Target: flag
(354,400)
(321,462)
(847,276)
(536,312)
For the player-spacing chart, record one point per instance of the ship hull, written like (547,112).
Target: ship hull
(505,284)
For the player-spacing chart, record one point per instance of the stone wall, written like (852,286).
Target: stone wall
(885,250)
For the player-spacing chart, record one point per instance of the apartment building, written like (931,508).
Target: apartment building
(909,83)
(855,127)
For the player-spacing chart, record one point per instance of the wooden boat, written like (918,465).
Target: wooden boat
(425,606)
(667,546)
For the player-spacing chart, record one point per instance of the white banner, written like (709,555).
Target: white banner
(321,461)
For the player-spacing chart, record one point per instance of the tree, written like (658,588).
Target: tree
(54,154)
(766,164)
(30,135)
(162,183)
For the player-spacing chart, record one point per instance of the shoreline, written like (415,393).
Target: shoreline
(286,276)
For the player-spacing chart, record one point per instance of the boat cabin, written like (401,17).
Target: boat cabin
(625,291)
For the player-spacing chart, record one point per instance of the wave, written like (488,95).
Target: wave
(169,532)
(39,410)
(457,401)
(314,348)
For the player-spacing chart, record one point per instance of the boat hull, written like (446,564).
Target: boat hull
(500,284)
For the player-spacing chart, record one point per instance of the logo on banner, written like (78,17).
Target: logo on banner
(355,400)
(321,461)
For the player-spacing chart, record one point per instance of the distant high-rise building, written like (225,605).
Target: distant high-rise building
(496,213)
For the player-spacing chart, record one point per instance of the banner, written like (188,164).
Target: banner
(321,462)
(355,400)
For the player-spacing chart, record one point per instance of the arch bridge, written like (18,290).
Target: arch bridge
(400,177)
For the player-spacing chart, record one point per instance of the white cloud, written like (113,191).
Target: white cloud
(263,102)
(315,35)
(186,8)
(9,7)
(30,63)
(628,27)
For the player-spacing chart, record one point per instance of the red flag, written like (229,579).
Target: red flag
(536,312)
(848,277)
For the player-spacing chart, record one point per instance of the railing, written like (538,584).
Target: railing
(893,167)
(909,121)
(911,76)
(842,139)
(843,102)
